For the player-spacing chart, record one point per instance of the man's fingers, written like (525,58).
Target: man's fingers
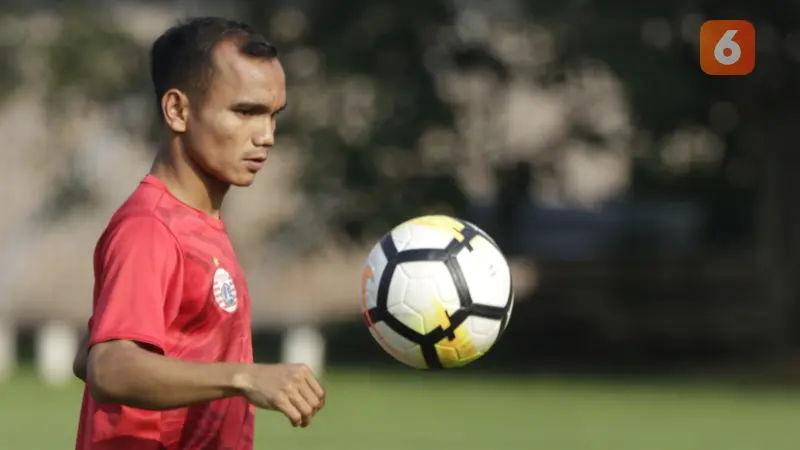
(306,411)
(289,410)
(310,397)
(316,388)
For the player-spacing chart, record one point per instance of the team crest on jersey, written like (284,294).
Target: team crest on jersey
(224,289)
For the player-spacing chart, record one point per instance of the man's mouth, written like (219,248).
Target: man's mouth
(255,163)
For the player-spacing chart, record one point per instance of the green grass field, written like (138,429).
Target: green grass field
(400,411)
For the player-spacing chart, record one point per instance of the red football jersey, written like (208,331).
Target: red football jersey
(166,275)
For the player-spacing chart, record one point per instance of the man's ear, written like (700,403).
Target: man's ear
(175,110)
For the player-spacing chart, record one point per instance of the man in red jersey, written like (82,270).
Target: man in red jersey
(168,360)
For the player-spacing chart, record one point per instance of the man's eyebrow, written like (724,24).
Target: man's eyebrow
(255,107)
(251,107)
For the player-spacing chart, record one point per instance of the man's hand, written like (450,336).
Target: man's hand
(290,389)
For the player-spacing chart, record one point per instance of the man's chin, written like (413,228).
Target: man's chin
(244,181)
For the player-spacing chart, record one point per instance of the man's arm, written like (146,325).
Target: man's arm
(128,373)
(81,357)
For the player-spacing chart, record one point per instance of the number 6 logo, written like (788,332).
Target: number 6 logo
(727,47)
(727,43)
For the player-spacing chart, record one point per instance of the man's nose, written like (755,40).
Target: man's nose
(267,137)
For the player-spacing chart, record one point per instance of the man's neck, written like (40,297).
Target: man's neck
(187,182)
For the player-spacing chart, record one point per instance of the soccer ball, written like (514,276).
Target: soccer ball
(436,292)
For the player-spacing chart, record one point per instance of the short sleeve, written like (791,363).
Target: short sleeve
(137,265)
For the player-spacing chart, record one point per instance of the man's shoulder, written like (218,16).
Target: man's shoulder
(140,210)
(143,215)
(131,230)
(147,206)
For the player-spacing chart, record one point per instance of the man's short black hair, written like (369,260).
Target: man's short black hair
(181,57)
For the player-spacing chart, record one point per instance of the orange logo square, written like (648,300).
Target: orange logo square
(727,47)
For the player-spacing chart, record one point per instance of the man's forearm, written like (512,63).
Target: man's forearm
(126,374)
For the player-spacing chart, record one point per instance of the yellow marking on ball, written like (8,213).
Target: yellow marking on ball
(477,241)
(441,223)
(442,315)
(459,351)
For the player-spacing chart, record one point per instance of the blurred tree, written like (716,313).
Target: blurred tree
(653,47)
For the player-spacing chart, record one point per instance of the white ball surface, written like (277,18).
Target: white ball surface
(436,292)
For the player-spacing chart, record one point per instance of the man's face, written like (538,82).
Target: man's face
(230,129)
